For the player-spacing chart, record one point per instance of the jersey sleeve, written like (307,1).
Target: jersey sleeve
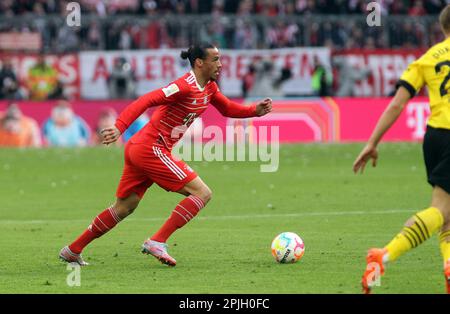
(162,96)
(230,108)
(412,79)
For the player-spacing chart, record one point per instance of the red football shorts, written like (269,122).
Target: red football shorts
(146,164)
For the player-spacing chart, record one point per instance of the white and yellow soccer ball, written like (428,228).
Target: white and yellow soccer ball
(287,247)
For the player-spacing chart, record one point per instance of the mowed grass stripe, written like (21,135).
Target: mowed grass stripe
(232,217)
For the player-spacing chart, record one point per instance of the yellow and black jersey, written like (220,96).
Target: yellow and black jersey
(432,70)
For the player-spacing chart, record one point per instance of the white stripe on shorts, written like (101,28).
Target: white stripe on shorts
(169,163)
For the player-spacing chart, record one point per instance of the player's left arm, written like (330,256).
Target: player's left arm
(229,108)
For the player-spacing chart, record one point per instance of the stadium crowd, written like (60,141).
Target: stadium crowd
(237,24)
(241,7)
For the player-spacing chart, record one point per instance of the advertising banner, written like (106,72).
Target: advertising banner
(156,68)
(327,120)
(385,68)
(66,65)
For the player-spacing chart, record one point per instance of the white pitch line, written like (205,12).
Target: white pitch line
(262,216)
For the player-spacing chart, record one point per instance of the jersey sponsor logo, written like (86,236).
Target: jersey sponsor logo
(170,90)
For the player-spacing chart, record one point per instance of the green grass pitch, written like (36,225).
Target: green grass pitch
(49,196)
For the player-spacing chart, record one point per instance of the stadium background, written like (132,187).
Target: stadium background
(143,39)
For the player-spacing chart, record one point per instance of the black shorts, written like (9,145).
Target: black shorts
(436,152)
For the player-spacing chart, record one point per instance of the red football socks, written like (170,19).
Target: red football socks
(101,224)
(181,215)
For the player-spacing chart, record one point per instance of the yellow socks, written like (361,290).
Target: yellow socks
(444,242)
(426,223)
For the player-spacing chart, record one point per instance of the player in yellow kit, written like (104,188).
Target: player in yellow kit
(432,70)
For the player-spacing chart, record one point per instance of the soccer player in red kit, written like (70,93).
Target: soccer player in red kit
(148,156)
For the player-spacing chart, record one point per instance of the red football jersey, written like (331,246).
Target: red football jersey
(180,103)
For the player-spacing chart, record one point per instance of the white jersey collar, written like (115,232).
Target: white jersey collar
(196,83)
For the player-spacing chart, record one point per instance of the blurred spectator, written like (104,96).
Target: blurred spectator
(135,127)
(94,40)
(248,80)
(321,79)
(153,34)
(348,76)
(17,130)
(268,82)
(9,85)
(245,8)
(213,33)
(107,118)
(282,35)
(95,6)
(407,37)
(284,75)
(369,43)
(356,6)
(306,7)
(43,81)
(417,9)
(246,36)
(67,39)
(64,128)
(128,36)
(435,33)
(122,81)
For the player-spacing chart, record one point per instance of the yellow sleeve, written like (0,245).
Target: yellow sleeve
(412,79)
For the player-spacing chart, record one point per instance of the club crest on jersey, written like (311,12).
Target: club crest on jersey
(170,90)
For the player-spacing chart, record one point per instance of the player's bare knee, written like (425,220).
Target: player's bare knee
(125,207)
(120,210)
(124,210)
(205,194)
(130,210)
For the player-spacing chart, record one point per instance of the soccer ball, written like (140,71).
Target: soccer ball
(287,247)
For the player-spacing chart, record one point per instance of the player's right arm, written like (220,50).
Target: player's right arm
(157,97)
(387,119)
(409,84)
